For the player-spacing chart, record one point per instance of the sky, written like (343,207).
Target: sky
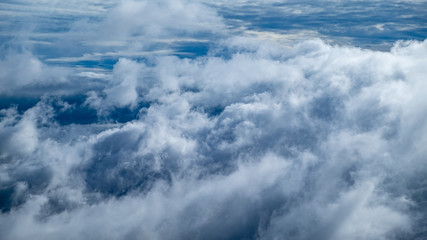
(196,119)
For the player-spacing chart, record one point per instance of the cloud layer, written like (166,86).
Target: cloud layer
(255,139)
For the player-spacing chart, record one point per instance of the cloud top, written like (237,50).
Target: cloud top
(256,139)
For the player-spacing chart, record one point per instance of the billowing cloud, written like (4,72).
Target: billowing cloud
(23,70)
(256,139)
(122,91)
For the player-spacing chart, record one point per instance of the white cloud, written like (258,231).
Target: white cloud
(125,75)
(301,144)
(133,26)
(254,140)
(19,69)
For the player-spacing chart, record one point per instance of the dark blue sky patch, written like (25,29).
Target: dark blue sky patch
(106,63)
(214,111)
(21,103)
(78,115)
(79,112)
(191,49)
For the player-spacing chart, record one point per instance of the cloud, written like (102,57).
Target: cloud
(130,18)
(254,140)
(297,143)
(25,75)
(77,31)
(13,76)
(121,91)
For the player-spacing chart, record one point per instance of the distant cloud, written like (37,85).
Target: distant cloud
(23,73)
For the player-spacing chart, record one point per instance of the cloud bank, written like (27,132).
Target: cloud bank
(252,140)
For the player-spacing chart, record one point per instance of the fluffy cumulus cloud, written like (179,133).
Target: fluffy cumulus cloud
(21,71)
(252,140)
(120,90)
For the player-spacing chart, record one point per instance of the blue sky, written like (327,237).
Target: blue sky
(179,119)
